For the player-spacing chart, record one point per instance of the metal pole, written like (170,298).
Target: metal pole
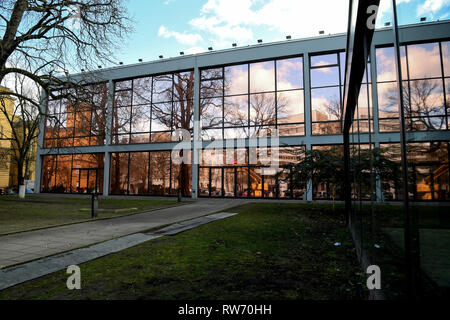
(412,261)
(347,184)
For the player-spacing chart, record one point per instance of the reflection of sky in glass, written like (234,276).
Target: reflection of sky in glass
(236,111)
(237,79)
(160,112)
(323,60)
(123,98)
(235,133)
(427,97)
(262,108)
(262,77)
(290,107)
(123,85)
(446,57)
(123,119)
(424,61)
(342,64)
(387,95)
(211,73)
(53,107)
(322,100)
(447,91)
(211,112)
(386,63)
(212,133)
(162,88)
(324,77)
(142,90)
(363,103)
(290,74)
(211,88)
(141,119)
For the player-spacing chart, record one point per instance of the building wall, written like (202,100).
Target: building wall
(5,132)
(309,127)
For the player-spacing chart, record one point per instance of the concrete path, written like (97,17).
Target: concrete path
(18,274)
(23,247)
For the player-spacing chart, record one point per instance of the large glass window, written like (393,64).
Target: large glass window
(233,173)
(423,87)
(428,171)
(76,118)
(149,173)
(327,79)
(148,109)
(241,101)
(80,173)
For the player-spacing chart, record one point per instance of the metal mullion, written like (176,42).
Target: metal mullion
(151,108)
(248,179)
(87,179)
(443,84)
(128,174)
(56,171)
(235,181)
(276,96)
(248,98)
(328,65)
(131,110)
(93,109)
(223,103)
(209,182)
(79,177)
(430,168)
(170,176)
(71,166)
(172,103)
(148,173)
(262,183)
(409,88)
(340,84)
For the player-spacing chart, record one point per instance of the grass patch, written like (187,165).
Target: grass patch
(36,212)
(268,251)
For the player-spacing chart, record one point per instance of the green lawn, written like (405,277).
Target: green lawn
(267,251)
(39,212)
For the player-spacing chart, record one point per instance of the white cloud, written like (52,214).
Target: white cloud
(431,6)
(194,50)
(185,38)
(234,20)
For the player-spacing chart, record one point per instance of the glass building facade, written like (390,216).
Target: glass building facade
(120,143)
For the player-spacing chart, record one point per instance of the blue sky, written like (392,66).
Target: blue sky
(169,26)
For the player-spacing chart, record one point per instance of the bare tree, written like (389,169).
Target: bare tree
(43,40)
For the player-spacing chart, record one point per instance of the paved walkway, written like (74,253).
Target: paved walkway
(23,247)
(38,268)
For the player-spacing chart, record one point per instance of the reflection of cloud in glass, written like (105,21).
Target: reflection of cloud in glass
(446,57)
(424,61)
(262,76)
(237,78)
(290,107)
(290,74)
(325,104)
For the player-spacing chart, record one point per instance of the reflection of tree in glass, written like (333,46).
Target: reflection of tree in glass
(160,168)
(82,114)
(263,111)
(211,98)
(422,101)
(333,108)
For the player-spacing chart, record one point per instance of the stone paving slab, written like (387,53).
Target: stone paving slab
(35,269)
